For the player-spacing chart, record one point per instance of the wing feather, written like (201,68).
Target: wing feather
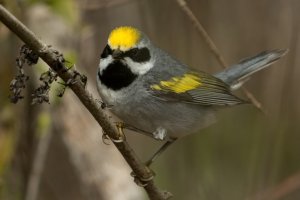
(195,88)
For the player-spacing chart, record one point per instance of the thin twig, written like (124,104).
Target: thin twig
(213,48)
(283,189)
(50,56)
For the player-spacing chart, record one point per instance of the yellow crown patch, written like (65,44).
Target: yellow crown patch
(124,37)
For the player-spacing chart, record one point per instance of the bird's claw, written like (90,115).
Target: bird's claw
(121,135)
(105,139)
(143,181)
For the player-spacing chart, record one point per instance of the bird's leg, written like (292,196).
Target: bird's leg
(159,134)
(144,181)
(160,151)
(141,181)
(132,128)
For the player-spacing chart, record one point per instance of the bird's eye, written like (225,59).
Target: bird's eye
(106,52)
(139,55)
(135,51)
(132,52)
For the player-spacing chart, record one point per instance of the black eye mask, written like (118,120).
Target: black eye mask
(106,52)
(138,55)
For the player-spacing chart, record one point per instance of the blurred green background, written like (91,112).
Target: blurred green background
(55,151)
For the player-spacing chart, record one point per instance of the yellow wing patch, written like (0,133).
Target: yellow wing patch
(179,84)
(124,37)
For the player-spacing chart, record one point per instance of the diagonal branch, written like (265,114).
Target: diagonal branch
(52,58)
(287,187)
(213,48)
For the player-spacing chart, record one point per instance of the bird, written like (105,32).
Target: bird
(157,95)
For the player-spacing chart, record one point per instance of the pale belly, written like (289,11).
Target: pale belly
(178,119)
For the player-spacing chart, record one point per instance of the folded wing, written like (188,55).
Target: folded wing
(195,88)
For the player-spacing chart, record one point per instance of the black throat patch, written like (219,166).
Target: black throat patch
(117,76)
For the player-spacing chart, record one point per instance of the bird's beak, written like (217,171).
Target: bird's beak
(116,54)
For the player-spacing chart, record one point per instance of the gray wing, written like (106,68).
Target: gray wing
(195,88)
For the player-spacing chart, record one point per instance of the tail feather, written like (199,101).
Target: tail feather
(237,74)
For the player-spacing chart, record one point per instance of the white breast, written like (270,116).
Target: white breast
(109,96)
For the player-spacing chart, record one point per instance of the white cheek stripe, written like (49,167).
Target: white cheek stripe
(104,62)
(139,68)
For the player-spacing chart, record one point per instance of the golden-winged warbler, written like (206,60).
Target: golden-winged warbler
(156,94)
